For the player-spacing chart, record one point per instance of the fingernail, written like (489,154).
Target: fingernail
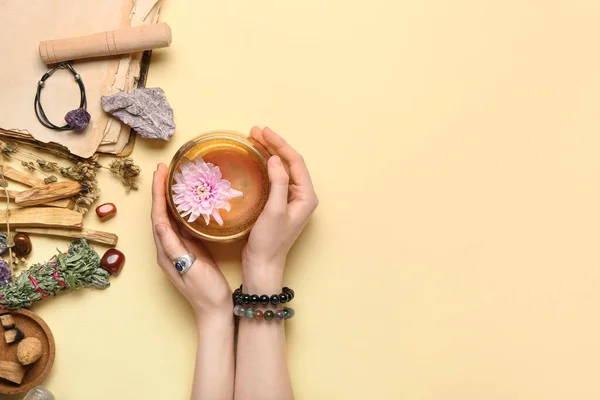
(160,229)
(276,160)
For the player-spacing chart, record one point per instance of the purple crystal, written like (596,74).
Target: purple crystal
(78,119)
(5,273)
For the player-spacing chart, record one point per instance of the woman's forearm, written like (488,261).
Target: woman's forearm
(214,374)
(261,368)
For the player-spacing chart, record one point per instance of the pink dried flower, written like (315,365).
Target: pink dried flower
(201,191)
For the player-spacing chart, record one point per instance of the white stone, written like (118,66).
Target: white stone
(39,393)
(147,111)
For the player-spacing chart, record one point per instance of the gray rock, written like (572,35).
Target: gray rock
(3,246)
(147,111)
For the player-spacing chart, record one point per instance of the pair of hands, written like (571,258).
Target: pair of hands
(291,202)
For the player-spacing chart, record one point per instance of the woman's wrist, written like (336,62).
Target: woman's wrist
(214,318)
(262,277)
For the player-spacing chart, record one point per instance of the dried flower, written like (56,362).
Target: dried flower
(49,166)
(9,239)
(201,191)
(29,165)
(127,170)
(8,148)
(50,179)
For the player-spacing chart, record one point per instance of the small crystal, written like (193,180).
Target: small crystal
(22,245)
(78,119)
(106,211)
(112,261)
(39,393)
(5,273)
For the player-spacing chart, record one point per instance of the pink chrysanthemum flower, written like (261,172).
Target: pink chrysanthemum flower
(201,191)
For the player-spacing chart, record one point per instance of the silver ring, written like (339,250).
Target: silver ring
(184,262)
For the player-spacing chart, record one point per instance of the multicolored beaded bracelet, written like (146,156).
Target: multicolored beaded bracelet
(285,296)
(268,315)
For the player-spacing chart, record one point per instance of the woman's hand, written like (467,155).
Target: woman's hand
(203,285)
(292,201)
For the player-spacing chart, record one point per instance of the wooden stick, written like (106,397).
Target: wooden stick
(43,194)
(11,194)
(25,179)
(70,204)
(43,217)
(12,371)
(28,180)
(110,43)
(93,236)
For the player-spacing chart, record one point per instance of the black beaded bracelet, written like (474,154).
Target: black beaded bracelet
(77,119)
(267,315)
(240,298)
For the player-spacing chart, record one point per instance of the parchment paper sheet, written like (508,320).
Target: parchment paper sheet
(26,23)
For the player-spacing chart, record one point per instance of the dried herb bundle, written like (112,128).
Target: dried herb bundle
(78,268)
(83,170)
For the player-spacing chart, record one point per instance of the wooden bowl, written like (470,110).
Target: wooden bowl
(32,326)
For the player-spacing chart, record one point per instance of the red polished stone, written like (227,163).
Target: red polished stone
(258,314)
(106,211)
(113,261)
(22,245)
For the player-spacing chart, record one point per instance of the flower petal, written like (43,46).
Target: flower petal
(235,193)
(199,189)
(217,217)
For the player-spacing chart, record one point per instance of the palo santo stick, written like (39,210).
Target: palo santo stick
(43,194)
(64,203)
(17,176)
(28,180)
(70,204)
(43,217)
(92,236)
(12,371)
(11,194)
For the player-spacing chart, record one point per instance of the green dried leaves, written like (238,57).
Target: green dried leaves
(78,268)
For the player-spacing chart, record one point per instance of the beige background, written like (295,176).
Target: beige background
(454,148)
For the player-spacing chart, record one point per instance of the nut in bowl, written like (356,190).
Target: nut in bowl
(218,185)
(25,359)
